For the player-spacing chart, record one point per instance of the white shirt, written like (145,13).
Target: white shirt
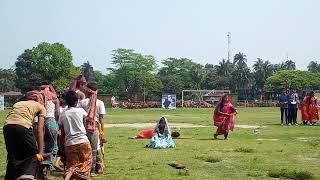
(100,108)
(72,121)
(51,108)
(61,109)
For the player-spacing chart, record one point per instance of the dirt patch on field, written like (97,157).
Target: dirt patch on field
(308,158)
(249,126)
(172,125)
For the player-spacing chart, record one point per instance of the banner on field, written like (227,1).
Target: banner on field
(1,103)
(169,101)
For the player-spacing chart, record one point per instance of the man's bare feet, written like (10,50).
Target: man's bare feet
(93,174)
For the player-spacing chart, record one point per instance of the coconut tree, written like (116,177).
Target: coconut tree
(87,70)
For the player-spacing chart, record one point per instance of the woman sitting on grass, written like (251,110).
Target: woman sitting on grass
(224,117)
(162,136)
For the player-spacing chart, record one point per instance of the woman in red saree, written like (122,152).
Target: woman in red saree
(224,117)
(144,134)
(313,109)
(303,106)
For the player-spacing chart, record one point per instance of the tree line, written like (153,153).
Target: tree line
(136,74)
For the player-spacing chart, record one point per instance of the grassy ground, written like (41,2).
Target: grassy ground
(295,155)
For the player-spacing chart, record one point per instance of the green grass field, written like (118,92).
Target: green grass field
(295,155)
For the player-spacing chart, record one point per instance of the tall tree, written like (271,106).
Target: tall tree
(262,70)
(240,59)
(241,78)
(7,80)
(224,71)
(210,75)
(197,76)
(179,74)
(46,62)
(87,71)
(293,78)
(224,68)
(314,66)
(241,75)
(101,81)
(133,72)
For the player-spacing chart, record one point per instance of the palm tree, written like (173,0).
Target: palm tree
(224,68)
(289,65)
(240,59)
(314,66)
(87,70)
(262,70)
(197,75)
(242,77)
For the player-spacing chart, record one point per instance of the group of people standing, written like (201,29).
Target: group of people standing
(42,127)
(291,101)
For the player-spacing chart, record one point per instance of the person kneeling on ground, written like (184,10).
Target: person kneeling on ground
(77,146)
(162,136)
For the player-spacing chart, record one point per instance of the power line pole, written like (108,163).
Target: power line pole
(229,43)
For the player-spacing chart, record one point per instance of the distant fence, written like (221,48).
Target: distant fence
(269,103)
(189,104)
(186,104)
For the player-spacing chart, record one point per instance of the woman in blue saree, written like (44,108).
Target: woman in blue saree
(162,136)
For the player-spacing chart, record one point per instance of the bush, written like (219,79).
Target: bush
(285,173)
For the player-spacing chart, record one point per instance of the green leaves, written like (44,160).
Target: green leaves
(46,62)
(133,73)
(7,79)
(302,80)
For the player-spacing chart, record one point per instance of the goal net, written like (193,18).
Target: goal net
(201,98)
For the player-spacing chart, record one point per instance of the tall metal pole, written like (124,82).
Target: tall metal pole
(182,99)
(144,95)
(229,42)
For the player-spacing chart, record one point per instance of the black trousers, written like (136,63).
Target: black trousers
(292,113)
(284,115)
(22,149)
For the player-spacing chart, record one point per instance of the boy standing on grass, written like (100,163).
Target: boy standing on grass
(97,134)
(293,101)
(77,146)
(283,102)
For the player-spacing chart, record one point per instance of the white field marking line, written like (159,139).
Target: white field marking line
(248,126)
(172,125)
(267,139)
(151,125)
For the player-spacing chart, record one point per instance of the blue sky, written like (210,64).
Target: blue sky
(196,29)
